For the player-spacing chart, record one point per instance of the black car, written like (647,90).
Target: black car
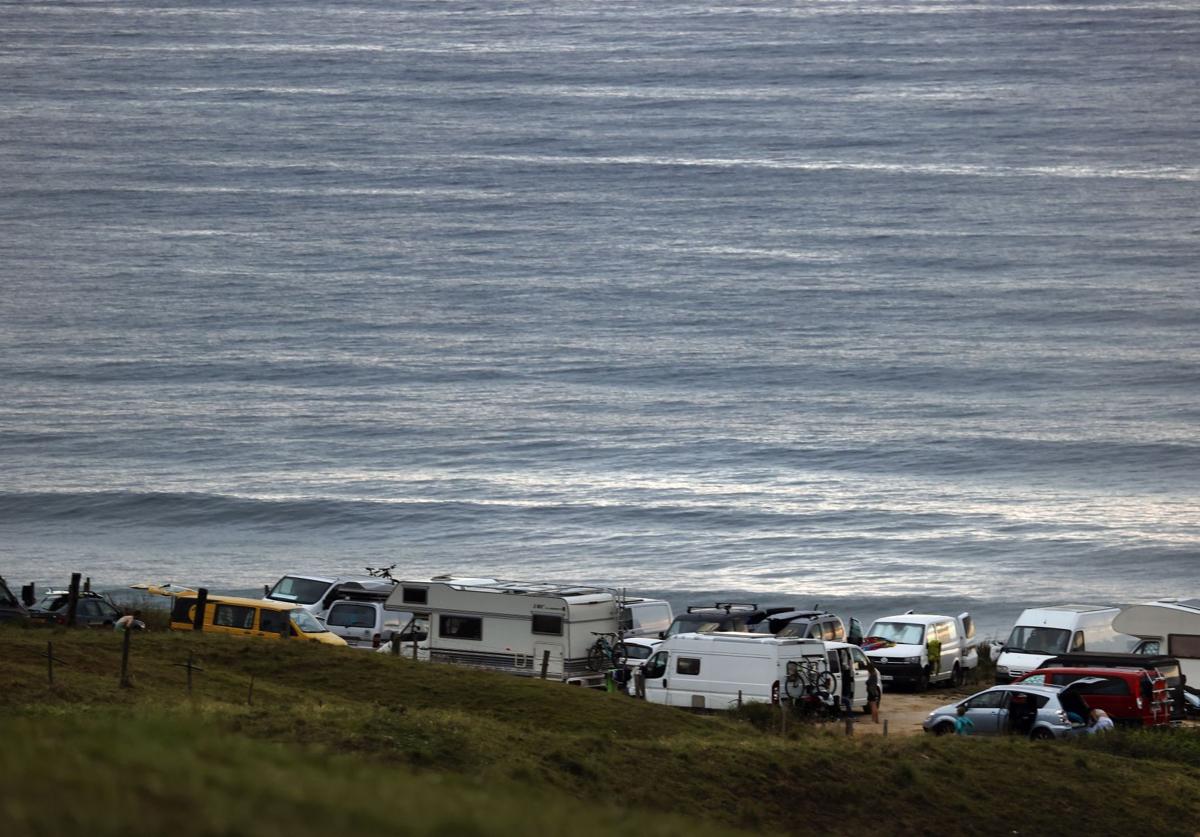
(814,624)
(91,611)
(723,616)
(11,610)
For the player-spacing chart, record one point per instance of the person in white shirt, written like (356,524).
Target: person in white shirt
(1100,722)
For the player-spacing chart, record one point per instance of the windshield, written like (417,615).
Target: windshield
(52,601)
(685,626)
(1038,640)
(795,629)
(306,622)
(638,652)
(901,633)
(299,590)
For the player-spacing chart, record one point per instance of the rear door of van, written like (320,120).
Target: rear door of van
(355,622)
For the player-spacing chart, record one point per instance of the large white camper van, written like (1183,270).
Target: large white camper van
(1044,632)
(717,670)
(511,626)
(1169,627)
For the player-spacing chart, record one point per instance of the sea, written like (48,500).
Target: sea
(874,305)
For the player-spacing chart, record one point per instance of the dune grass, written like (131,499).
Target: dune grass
(338,738)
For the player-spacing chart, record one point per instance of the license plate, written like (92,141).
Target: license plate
(885,677)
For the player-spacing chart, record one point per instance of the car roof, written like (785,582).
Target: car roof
(914,617)
(641,640)
(241,601)
(793,615)
(1091,671)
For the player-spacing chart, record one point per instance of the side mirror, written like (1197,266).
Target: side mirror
(662,634)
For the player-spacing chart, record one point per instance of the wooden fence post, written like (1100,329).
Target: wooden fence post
(72,600)
(201,603)
(125,637)
(885,727)
(250,694)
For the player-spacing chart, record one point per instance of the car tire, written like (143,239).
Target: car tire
(1041,734)
(943,728)
(922,681)
(956,677)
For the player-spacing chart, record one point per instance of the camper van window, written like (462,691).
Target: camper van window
(1183,645)
(416,595)
(545,624)
(687,665)
(1038,640)
(946,632)
(179,610)
(460,627)
(351,616)
(1078,643)
(232,616)
(299,590)
(273,621)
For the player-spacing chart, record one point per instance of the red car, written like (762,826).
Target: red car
(1131,696)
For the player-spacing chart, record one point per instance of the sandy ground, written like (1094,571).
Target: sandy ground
(905,711)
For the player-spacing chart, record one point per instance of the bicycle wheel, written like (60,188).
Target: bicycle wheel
(825,681)
(619,655)
(597,657)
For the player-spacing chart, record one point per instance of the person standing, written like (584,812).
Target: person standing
(874,693)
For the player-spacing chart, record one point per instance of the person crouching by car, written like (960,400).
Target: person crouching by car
(130,622)
(1100,722)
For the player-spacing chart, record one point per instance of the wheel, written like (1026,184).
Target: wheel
(825,681)
(1041,734)
(957,677)
(619,655)
(944,728)
(596,659)
(923,680)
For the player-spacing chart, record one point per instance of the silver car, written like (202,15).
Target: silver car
(1039,712)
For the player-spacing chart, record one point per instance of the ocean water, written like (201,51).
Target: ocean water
(868,303)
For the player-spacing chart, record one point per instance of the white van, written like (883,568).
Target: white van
(1166,626)
(316,592)
(1044,632)
(644,617)
(366,624)
(710,670)
(900,647)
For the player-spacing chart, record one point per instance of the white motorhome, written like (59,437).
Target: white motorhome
(712,670)
(1044,632)
(917,649)
(1166,626)
(511,626)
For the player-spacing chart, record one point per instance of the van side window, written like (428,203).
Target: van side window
(351,616)
(544,623)
(687,665)
(180,610)
(416,595)
(946,633)
(1183,645)
(460,627)
(839,631)
(657,666)
(234,616)
(860,659)
(273,621)
(1077,642)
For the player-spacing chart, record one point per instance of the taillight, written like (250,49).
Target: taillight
(376,641)
(60,620)
(775,692)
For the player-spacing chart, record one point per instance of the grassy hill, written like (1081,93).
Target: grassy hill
(338,741)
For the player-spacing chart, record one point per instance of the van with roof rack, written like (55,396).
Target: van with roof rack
(721,616)
(317,592)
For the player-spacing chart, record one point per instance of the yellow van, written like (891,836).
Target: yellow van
(251,617)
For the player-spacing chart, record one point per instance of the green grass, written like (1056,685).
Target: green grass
(353,741)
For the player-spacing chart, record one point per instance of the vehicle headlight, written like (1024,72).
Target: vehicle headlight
(914,660)
(1001,669)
